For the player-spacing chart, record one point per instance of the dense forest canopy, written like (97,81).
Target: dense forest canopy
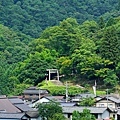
(13,49)
(31,17)
(79,38)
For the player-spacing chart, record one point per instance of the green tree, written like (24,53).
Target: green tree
(111,78)
(64,65)
(12,45)
(89,28)
(41,14)
(110,22)
(63,38)
(33,69)
(101,23)
(117,70)
(85,60)
(85,115)
(75,115)
(58,116)
(109,48)
(87,102)
(49,110)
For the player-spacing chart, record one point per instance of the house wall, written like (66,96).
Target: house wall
(114,115)
(104,115)
(105,103)
(42,100)
(31,97)
(36,118)
(68,116)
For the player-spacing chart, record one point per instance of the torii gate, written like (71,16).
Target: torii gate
(53,71)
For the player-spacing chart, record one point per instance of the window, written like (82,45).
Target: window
(101,105)
(110,105)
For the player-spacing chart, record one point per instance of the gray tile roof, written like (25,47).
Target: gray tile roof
(33,114)
(85,95)
(12,115)
(54,97)
(6,105)
(29,91)
(113,99)
(16,100)
(80,109)
(116,100)
(23,107)
(67,104)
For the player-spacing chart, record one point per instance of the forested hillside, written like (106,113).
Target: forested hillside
(87,51)
(13,49)
(32,16)
(80,38)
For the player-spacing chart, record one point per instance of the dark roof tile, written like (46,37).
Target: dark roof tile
(12,115)
(33,114)
(16,100)
(23,107)
(6,105)
(80,109)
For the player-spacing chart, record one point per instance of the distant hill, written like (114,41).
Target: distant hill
(33,16)
(13,46)
(13,49)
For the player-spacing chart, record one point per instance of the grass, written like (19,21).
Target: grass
(59,90)
(55,89)
(45,84)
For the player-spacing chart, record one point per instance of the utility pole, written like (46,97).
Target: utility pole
(39,93)
(107,97)
(66,92)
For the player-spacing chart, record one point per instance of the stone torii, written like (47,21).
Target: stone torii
(53,71)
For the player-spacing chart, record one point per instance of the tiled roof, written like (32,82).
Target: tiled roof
(33,114)
(113,99)
(16,101)
(116,100)
(23,107)
(80,109)
(6,105)
(85,95)
(67,104)
(12,115)
(54,97)
(42,91)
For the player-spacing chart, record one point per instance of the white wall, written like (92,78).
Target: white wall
(105,103)
(42,100)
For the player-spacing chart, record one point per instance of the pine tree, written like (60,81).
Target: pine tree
(110,47)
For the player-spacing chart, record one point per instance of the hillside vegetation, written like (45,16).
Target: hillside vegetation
(13,49)
(32,16)
(88,51)
(79,38)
